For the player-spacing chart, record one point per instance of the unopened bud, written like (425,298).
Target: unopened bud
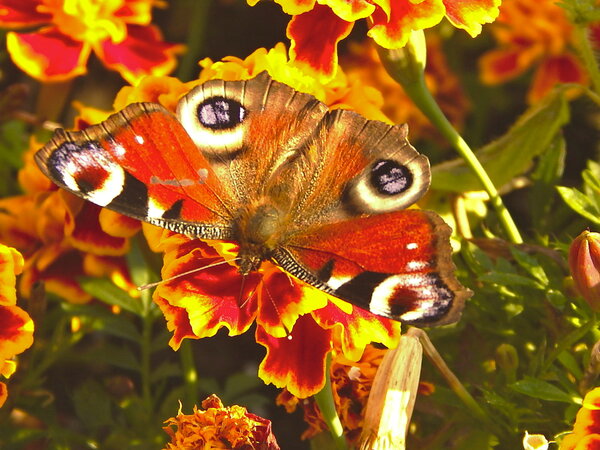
(584,262)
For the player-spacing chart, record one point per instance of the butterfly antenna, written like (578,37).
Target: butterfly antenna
(183,274)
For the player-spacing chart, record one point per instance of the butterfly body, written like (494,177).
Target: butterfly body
(319,192)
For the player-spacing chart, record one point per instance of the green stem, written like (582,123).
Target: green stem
(324,399)
(587,55)
(406,66)
(568,342)
(190,374)
(420,94)
(195,39)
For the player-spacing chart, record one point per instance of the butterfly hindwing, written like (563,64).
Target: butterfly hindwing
(396,265)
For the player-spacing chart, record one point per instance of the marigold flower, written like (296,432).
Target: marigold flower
(118,32)
(16,332)
(533,33)
(584,261)
(219,427)
(586,430)
(297,324)
(317,26)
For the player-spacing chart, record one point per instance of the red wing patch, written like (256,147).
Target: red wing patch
(141,163)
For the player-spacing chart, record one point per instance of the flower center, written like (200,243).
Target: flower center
(89,21)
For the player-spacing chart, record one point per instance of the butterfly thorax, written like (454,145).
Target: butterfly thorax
(259,229)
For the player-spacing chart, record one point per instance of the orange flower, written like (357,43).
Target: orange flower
(117,31)
(298,324)
(16,332)
(533,33)
(317,26)
(219,427)
(586,430)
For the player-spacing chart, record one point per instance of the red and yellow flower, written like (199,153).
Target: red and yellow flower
(318,25)
(66,32)
(16,332)
(297,324)
(220,427)
(586,430)
(533,34)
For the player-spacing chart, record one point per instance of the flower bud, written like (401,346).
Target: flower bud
(584,262)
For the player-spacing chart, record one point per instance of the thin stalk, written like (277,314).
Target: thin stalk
(146,351)
(421,96)
(195,39)
(190,374)
(324,399)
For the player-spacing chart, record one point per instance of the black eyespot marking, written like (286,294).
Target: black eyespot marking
(220,113)
(390,178)
(61,162)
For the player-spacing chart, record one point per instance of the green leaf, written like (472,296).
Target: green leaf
(543,390)
(580,203)
(513,153)
(549,170)
(107,292)
(510,279)
(531,265)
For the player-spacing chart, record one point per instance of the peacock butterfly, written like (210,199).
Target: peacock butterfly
(319,192)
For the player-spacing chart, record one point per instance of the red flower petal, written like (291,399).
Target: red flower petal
(296,362)
(48,55)
(355,331)
(314,37)
(82,228)
(405,16)
(22,13)
(470,15)
(142,53)
(213,297)
(16,332)
(177,321)
(282,300)
(498,66)
(563,68)
(3,394)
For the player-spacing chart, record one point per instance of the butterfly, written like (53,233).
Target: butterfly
(320,193)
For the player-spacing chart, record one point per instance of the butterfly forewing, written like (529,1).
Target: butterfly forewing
(141,163)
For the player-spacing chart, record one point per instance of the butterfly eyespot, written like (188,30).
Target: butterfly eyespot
(387,185)
(219,113)
(389,177)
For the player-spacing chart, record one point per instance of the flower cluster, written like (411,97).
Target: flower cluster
(219,427)
(66,32)
(16,332)
(318,26)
